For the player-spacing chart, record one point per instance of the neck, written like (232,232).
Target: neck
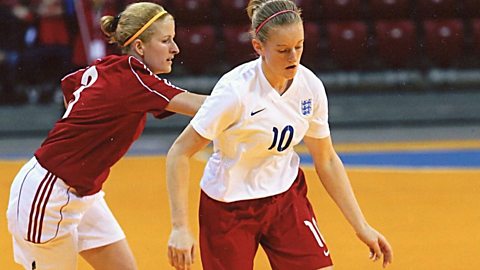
(278,83)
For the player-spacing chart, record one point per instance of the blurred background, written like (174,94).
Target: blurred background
(403,83)
(385,63)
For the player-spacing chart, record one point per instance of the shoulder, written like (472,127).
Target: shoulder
(130,63)
(114,65)
(309,77)
(311,81)
(231,87)
(72,76)
(239,78)
(123,63)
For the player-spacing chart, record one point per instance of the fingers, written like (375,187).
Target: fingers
(381,248)
(170,256)
(181,249)
(378,245)
(387,251)
(193,254)
(180,259)
(387,259)
(375,251)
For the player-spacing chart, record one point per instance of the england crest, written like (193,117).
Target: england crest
(306,107)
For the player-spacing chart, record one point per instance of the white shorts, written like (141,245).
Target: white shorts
(50,224)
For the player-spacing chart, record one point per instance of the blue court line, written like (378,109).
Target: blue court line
(436,158)
(430,158)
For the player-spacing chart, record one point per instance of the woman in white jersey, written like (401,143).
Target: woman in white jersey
(56,208)
(253,191)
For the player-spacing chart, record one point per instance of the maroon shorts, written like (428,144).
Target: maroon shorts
(283,224)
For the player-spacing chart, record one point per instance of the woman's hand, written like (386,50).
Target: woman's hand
(181,249)
(181,243)
(378,245)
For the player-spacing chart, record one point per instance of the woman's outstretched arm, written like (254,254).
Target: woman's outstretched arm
(334,178)
(181,243)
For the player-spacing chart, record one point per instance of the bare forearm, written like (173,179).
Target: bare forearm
(196,101)
(178,170)
(186,103)
(335,180)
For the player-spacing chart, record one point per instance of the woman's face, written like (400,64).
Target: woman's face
(282,51)
(159,51)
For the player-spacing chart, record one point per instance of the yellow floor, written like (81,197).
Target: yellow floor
(432,218)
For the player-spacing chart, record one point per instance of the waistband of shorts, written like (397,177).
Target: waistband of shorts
(34,162)
(296,189)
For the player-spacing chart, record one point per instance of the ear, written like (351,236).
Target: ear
(257,46)
(138,47)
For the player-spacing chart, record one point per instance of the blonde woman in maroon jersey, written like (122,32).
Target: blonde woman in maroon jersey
(56,208)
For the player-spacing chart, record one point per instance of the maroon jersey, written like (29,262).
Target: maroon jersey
(108,105)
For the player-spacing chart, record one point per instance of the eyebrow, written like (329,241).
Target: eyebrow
(284,45)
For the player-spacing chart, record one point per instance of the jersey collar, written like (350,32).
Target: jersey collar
(267,87)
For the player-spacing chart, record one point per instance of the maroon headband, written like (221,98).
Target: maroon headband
(271,17)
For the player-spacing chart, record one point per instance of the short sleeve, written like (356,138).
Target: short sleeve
(146,92)
(219,111)
(318,126)
(70,83)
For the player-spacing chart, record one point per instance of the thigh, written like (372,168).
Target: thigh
(226,242)
(98,226)
(101,241)
(116,256)
(46,256)
(42,207)
(43,216)
(293,240)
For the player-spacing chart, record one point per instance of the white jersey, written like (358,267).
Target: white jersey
(254,130)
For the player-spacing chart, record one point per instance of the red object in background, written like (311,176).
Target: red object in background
(237,45)
(396,42)
(53,31)
(335,10)
(347,42)
(89,31)
(389,9)
(52,27)
(197,48)
(444,40)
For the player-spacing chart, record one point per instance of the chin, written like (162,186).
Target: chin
(164,70)
(289,75)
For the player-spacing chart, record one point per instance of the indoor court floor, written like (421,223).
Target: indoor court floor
(423,194)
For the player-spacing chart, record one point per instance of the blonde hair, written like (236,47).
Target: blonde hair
(121,28)
(267,14)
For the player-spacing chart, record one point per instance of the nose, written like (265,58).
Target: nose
(292,56)
(174,48)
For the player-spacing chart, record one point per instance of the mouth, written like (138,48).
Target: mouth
(170,60)
(291,67)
